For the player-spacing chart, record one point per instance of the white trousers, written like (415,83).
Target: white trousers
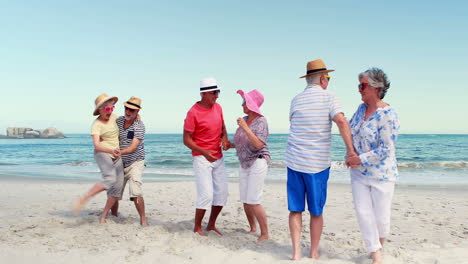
(211,181)
(251,181)
(372,202)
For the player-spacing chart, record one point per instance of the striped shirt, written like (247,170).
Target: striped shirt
(309,140)
(136,130)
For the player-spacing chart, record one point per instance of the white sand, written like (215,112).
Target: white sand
(428,226)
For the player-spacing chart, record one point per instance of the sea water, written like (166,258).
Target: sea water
(422,159)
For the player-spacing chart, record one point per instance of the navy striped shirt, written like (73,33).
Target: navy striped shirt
(126,136)
(309,139)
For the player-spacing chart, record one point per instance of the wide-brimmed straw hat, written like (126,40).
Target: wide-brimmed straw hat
(133,103)
(100,100)
(253,100)
(316,66)
(208,85)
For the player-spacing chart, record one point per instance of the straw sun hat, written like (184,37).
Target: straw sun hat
(316,66)
(100,100)
(133,103)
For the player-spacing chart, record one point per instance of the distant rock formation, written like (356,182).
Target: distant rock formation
(26,132)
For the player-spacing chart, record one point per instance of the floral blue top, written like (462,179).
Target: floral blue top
(374,141)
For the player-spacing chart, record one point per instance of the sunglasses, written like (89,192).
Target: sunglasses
(129,109)
(327,76)
(109,109)
(216,92)
(362,85)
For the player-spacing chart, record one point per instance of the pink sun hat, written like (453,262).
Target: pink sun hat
(253,100)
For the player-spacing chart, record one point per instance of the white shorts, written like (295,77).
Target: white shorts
(211,181)
(251,181)
(133,175)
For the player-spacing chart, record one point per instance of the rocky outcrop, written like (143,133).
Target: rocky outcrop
(17,132)
(51,133)
(26,132)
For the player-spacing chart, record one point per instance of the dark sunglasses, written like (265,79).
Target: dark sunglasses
(362,85)
(130,109)
(216,92)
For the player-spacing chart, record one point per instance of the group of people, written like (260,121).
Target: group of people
(119,153)
(369,137)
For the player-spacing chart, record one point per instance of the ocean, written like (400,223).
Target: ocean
(429,160)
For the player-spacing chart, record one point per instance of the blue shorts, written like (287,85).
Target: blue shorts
(312,184)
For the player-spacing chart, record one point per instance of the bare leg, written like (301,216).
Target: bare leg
(295,228)
(316,225)
(215,210)
(262,221)
(110,202)
(115,209)
(377,257)
(382,241)
(251,218)
(199,213)
(97,188)
(140,206)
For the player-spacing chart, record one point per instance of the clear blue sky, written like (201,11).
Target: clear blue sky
(57,56)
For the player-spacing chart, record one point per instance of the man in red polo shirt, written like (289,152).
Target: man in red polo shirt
(205,134)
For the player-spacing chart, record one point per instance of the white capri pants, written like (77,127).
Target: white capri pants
(211,181)
(251,182)
(372,202)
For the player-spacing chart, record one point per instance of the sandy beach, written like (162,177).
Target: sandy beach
(429,225)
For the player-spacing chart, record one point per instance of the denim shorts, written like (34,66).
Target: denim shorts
(312,186)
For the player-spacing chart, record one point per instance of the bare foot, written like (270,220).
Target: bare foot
(262,238)
(210,228)
(199,231)
(298,257)
(377,257)
(143,223)
(314,254)
(102,221)
(253,231)
(77,207)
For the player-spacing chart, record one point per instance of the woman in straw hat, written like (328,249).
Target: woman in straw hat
(374,128)
(250,142)
(105,135)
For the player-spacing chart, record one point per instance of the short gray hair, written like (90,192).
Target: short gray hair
(313,79)
(377,79)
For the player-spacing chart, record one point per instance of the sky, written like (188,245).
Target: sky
(56,57)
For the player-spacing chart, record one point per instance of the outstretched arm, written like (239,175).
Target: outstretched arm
(345,133)
(135,143)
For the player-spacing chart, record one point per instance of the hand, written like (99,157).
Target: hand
(242,124)
(116,153)
(352,160)
(225,143)
(208,154)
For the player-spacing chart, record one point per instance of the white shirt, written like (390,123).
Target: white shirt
(309,140)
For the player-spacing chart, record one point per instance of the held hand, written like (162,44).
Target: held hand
(226,144)
(242,124)
(208,154)
(116,153)
(353,160)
